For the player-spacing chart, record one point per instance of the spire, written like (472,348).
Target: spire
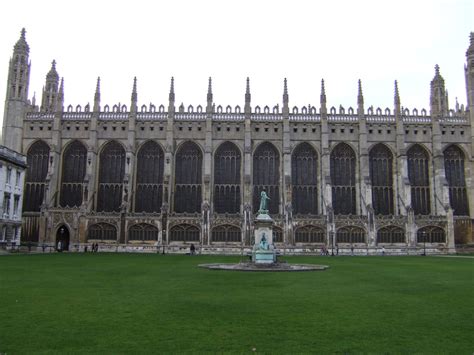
(133,105)
(21,46)
(97,96)
(323,94)
(50,91)
(97,89)
(360,96)
(285,93)
(52,74)
(209,96)
(396,99)
(60,100)
(134,90)
(247,108)
(248,97)
(171,97)
(438,99)
(360,99)
(470,50)
(61,87)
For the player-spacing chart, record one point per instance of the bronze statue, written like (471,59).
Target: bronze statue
(263,202)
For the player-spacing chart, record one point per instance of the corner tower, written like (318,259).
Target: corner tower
(469,72)
(16,101)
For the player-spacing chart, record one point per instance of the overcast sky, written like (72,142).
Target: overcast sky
(340,41)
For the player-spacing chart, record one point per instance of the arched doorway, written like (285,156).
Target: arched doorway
(62,235)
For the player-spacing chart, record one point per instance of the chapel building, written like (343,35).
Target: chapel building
(148,177)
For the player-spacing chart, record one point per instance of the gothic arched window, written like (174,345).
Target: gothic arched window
(266,176)
(188,179)
(227,179)
(184,233)
(309,234)
(102,231)
(143,232)
(277,235)
(350,235)
(37,159)
(304,178)
(391,234)
(419,180)
(343,179)
(454,170)
(111,174)
(149,193)
(226,233)
(431,234)
(381,176)
(73,173)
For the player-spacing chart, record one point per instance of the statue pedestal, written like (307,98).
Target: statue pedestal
(264,256)
(263,250)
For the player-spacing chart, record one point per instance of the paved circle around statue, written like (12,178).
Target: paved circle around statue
(275,267)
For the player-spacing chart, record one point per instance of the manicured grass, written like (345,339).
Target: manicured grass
(134,303)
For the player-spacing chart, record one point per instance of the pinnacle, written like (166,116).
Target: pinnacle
(323,93)
(209,88)
(21,45)
(97,88)
(397,94)
(134,84)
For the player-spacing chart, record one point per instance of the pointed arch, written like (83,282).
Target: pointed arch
(277,235)
(418,175)
(149,189)
(102,231)
(431,234)
(184,233)
(391,234)
(143,232)
(227,166)
(304,177)
(381,177)
(343,179)
(73,173)
(266,176)
(188,178)
(309,234)
(37,159)
(454,169)
(226,234)
(111,174)
(350,234)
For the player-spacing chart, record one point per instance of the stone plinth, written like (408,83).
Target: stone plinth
(263,249)
(264,256)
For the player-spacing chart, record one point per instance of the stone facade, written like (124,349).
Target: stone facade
(163,177)
(12,176)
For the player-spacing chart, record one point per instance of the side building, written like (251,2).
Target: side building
(142,177)
(12,178)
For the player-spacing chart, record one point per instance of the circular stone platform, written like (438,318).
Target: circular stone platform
(275,267)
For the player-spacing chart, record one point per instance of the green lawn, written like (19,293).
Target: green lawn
(136,303)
